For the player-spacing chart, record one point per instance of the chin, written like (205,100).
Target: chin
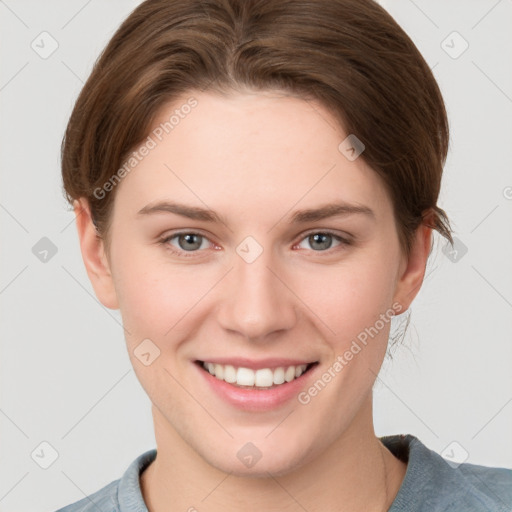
(265,462)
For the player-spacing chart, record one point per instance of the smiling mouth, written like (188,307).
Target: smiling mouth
(263,378)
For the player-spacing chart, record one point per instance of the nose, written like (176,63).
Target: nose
(255,301)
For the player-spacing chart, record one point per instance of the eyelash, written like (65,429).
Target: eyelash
(188,254)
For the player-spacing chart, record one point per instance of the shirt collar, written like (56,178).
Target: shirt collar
(427,472)
(129,492)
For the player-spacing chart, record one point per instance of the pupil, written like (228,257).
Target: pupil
(323,240)
(193,241)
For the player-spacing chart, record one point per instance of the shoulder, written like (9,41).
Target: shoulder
(488,484)
(433,483)
(119,495)
(104,500)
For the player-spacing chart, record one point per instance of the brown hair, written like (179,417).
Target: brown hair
(350,55)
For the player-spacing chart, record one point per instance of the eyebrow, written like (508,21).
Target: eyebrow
(300,216)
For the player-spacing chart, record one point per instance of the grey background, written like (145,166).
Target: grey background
(65,375)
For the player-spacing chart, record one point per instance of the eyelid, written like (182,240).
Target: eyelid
(345,236)
(343,240)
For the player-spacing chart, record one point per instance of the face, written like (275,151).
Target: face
(245,238)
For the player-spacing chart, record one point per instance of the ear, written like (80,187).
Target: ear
(93,255)
(412,270)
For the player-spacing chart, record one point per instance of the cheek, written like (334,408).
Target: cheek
(158,298)
(157,302)
(350,297)
(155,296)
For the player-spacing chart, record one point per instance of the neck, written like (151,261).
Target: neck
(357,472)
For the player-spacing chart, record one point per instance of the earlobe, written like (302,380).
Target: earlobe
(93,255)
(412,270)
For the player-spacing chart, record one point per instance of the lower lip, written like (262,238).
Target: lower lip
(256,399)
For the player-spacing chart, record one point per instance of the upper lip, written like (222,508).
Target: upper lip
(243,362)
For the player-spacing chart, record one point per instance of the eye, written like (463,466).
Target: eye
(192,242)
(322,240)
(186,241)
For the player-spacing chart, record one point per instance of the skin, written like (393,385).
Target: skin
(255,158)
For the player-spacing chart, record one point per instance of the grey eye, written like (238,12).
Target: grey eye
(321,241)
(189,241)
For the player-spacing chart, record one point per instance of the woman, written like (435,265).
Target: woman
(255,185)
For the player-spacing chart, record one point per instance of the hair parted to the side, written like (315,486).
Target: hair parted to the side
(350,55)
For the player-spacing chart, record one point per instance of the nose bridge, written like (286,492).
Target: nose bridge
(256,303)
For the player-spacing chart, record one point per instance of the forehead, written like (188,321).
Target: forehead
(261,148)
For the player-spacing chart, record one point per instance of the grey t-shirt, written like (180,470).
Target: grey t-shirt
(431,484)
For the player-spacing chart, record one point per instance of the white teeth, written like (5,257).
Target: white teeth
(262,378)
(245,377)
(219,371)
(229,373)
(289,374)
(279,375)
